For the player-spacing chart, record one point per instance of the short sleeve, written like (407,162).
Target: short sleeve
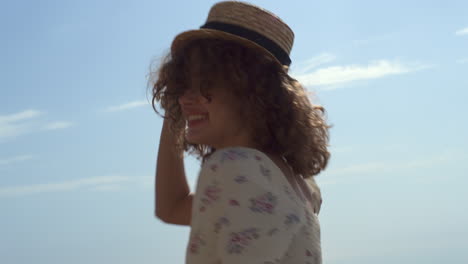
(316,194)
(250,220)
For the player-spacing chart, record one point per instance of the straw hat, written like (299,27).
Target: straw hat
(246,24)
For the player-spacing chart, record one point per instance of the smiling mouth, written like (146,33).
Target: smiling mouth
(196,122)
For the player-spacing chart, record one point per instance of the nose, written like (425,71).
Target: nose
(191,96)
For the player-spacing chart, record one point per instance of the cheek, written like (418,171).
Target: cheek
(231,119)
(223,113)
(221,119)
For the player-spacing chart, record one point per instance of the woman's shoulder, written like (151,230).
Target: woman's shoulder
(236,162)
(233,156)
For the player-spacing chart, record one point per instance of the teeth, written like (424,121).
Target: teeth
(196,117)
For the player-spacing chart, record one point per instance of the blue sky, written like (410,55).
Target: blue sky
(78,138)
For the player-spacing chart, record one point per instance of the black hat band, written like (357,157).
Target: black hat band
(253,36)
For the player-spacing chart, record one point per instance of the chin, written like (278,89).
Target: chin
(194,140)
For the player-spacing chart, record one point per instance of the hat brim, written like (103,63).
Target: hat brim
(184,38)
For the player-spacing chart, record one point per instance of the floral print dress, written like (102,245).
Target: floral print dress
(245,211)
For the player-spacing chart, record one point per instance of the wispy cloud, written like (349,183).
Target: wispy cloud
(462,61)
(313,62)
(24,122)
(26,114)
(463,31)
(57,125)
(95,183)
(7,161)
(126,106)
(17,124)
(328,78)
(386,166)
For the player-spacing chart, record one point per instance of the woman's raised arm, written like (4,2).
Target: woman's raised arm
(173,200)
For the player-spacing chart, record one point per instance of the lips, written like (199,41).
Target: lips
(187,114)
(195,122)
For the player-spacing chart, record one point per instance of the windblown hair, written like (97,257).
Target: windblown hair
(276,106)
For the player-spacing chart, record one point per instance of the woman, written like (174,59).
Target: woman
(230,102)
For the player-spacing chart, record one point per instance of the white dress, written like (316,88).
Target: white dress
(245,211)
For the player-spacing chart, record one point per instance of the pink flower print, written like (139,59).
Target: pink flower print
(239,240)
(240,179)
(195,242)
(288,192)
(265,172)
(308,253)
(193,248)
(214,167)
(257,157)
(233,155)
(291,219)
(222,221)
(263,203)
(233,202)
(272,231)
(210,194)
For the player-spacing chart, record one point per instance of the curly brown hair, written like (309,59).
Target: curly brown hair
(276,106)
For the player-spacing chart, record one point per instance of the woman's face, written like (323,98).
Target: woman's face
(221,125)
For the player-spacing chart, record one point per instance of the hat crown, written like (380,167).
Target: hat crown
(254,18)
